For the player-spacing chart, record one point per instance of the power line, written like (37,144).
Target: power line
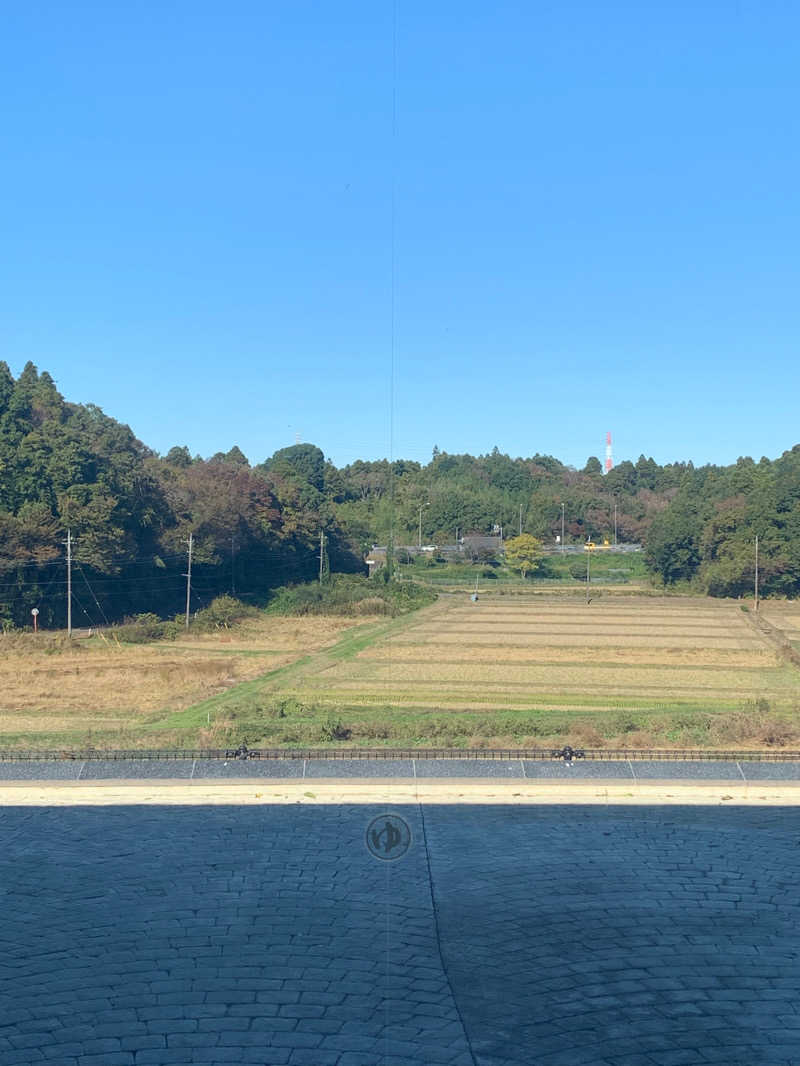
(267,574)
(11,585)
(142,560)
(89,587)
(78,602)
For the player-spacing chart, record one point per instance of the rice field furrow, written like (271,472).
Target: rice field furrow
(380,686)
(756,658)
(572,679)
(469,665)
(591,640)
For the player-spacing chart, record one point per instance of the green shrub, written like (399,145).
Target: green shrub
(623,723)
(333,728)
(282,708)
(222,613)
(143,628)
(577,569)
(348,594)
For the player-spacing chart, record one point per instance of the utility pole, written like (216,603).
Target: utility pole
(190,542)
(233,577)
(69,583)
(562,527)
(520,519)
(421,509)
(615,523)
(756,582)
(321,554)
(588,563)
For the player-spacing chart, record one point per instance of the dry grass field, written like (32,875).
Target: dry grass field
(97,687)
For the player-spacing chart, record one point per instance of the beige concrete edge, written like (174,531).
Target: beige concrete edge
(383,792)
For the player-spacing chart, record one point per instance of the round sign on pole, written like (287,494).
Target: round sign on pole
(35,611)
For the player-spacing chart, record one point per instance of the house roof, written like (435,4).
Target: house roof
(475,540)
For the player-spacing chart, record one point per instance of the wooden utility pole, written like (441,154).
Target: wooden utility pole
(69,583)
(233,575)
(321,554)
(520,519)
(189,578)
(756,581)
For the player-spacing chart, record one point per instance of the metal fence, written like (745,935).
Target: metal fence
(599,754)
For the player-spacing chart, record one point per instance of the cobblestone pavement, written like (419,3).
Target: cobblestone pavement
(507,935)
(621,936)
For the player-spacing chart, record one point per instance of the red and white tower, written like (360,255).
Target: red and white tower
(609,461)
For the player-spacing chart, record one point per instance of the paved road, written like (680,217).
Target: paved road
(640,771)
(506,936)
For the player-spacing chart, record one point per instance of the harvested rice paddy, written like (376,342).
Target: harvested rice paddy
(554,654)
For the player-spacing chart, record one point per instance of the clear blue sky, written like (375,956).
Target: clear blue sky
(597,223)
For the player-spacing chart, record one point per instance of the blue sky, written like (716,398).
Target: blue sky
(596,214)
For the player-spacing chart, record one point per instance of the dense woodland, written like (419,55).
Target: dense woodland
(257,527)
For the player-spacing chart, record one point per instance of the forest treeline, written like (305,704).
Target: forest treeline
(257,527)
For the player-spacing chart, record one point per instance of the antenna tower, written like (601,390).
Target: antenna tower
(609,460)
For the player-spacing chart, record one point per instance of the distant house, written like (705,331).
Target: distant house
(475,545)
(376,558)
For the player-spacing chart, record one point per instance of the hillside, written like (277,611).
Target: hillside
(257,527)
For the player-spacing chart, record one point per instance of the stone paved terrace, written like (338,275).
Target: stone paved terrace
(553,935)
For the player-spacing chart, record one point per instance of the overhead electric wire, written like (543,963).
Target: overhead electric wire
(89,587)
(78,602)
(160,582)
(142,560)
